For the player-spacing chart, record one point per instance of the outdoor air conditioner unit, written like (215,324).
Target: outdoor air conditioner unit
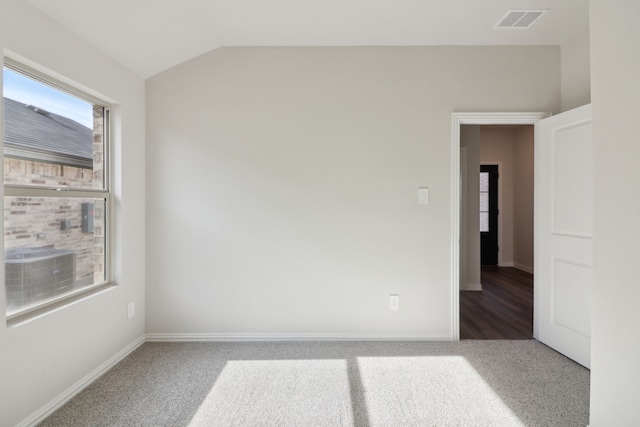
(37,274)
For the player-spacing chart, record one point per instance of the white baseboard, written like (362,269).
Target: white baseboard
(523,267)
(301,336)
(506,264)
(48,409)
(472,287)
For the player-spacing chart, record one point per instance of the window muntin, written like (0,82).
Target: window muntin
(56,205)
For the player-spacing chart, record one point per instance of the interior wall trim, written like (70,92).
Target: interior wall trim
(472,287)
(301,336)
(523,267)
(53,405)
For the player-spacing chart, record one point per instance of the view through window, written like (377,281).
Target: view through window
(56,193)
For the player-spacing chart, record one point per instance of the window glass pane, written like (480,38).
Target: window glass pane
(51,138)
(484,221)
(484,202)
(53,246)
(484,181)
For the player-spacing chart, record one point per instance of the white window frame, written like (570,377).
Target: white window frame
(13,190)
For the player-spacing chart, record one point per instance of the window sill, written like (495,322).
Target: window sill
(29,314)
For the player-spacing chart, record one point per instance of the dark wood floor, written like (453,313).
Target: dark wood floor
(502,310)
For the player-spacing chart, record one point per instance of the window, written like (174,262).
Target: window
(56,204)
(484,201)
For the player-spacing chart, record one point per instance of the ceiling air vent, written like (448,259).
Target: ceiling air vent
(519,18)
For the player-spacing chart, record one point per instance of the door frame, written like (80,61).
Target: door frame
(459,119)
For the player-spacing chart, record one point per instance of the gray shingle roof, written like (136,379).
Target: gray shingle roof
(30,132)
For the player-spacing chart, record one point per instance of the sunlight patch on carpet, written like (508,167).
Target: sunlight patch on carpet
(278,392)
(430,391)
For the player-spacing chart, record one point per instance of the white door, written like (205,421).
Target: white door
(563,233)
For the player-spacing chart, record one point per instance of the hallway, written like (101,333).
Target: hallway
(502,310)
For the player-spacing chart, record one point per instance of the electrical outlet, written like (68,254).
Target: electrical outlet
(131,309)
(394,302)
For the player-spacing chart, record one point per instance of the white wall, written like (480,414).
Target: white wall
(615,62)
(523,154)
(576,78)
(282,184)
(496,148)
(45,356)
(470,208)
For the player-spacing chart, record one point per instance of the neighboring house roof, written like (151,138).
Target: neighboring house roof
(35,134)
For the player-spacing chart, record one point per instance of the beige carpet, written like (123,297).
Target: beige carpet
(469,383)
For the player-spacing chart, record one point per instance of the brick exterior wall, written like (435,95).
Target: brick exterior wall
(98,146)
(33,222)
(26,172)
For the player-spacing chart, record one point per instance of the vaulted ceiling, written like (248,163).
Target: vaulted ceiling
(149,36)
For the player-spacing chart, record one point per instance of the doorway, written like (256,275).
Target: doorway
(563,226)
(460,119)
(502,157)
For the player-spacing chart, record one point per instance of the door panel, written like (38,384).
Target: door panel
(563,235)
(572,186)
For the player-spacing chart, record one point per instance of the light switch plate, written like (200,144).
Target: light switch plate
(423,196)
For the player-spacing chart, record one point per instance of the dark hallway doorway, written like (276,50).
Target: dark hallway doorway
(489,215)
